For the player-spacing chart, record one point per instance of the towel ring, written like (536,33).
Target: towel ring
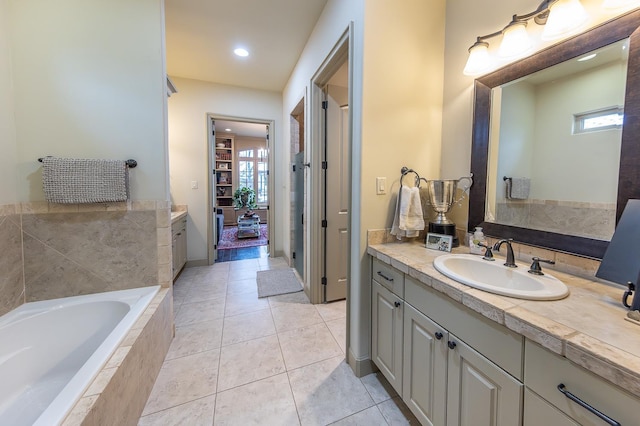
(405,170)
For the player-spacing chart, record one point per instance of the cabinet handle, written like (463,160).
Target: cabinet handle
(452,344)
(385,277)
(397,304)
(438,335)
(593,410)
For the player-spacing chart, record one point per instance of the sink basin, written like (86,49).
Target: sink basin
(496,278)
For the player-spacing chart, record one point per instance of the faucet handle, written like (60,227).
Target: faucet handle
(535,268)
(488,254)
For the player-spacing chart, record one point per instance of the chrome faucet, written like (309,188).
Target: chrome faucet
(511,262)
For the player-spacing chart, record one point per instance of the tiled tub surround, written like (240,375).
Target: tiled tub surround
(590,220)
(588,327)
(119,392)
(70,250)
(11,265)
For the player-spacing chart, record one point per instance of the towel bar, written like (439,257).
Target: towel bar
(130,163)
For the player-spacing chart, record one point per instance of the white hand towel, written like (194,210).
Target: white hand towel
(408,220)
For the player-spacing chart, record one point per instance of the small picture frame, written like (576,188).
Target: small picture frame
(439,242)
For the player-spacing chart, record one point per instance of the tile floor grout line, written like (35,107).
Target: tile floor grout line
(178,405)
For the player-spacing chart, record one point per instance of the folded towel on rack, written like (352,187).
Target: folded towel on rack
(408,220)
(518,188)
(75,181)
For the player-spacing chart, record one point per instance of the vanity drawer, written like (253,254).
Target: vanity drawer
(501,345)
(388,277)
(544,371)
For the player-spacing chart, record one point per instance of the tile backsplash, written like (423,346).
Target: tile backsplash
(51,251)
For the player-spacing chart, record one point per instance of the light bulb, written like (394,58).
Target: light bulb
(479,60)
(515,40)
(564,17)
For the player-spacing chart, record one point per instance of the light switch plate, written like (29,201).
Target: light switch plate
(194,184)
(381,185)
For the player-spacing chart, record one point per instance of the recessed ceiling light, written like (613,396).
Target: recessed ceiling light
(227,130)
(241,52)
(586,58)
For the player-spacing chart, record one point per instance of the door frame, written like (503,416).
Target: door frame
(211,211)
(341,52)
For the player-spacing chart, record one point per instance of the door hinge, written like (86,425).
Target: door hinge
(324,280)
(324,223)
(324,165)
(267,172)
(294,167)
(325,104)
(302,218)
(293,255)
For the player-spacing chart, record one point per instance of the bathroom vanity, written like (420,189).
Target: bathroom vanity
(459,355)
(178,241)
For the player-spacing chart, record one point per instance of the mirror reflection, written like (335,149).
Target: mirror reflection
(554,147)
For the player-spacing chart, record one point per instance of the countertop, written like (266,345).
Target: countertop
(588,327)
(175,216)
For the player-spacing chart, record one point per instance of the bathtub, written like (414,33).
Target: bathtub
(50,351)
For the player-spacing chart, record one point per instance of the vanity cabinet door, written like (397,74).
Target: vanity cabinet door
(424,381)
(386,334)
(480,392)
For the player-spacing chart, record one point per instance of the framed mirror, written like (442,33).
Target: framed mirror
(490,148)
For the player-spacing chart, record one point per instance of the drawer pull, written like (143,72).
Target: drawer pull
(596,412)
(397,304)
(452,344)
(438,335)
(385,277)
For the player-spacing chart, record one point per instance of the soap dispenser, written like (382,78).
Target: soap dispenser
(475,240)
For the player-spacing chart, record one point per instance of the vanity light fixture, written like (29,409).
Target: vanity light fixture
(560,18)
(565,16)
(227,130)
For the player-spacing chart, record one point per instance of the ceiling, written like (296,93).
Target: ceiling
(240,128)
(202,34)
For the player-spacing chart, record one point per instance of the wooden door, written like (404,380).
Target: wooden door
(336,178)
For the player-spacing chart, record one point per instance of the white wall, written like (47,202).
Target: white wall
(516,142)
(8,145)
(89,81)
(577,167)
(188,150)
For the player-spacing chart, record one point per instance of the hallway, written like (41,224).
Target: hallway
(240,360)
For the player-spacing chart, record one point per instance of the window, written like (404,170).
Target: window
(605,119)
(253,172)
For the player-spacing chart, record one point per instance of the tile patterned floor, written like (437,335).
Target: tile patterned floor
(240,360)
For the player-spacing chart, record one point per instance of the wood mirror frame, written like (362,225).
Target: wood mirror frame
(624,26)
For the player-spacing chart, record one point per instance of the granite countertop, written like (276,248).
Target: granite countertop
(588,327)
(175,216)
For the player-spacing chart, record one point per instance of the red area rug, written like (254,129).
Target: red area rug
(229,239)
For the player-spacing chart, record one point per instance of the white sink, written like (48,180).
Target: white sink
(494,277)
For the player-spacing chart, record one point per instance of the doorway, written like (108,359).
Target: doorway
(239,188)
(297,182)
(330,177)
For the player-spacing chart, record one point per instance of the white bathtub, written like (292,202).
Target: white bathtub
(50,351)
